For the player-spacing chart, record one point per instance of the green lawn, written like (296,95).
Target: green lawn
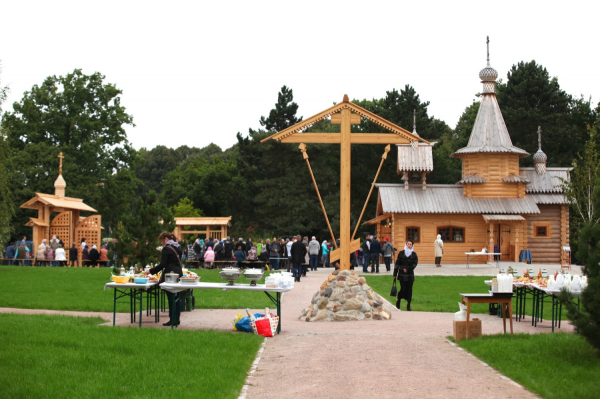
(69,357)
(555,366)
(82,289)
(441,293)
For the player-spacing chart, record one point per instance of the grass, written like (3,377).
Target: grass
(82,289)
(69,357)
(441,294)
(555,366)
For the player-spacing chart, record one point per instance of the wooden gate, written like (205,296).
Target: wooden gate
(89,228)
(61,227)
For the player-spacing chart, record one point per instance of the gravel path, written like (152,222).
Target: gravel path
(406,356)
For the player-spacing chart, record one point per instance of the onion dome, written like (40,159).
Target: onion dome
(488,75)
(540,158)
(59,187)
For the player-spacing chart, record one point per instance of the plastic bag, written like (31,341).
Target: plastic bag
(461,315)
(236,319)
(243,324)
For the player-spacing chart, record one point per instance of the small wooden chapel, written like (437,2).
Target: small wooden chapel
(496,203)
(68,224)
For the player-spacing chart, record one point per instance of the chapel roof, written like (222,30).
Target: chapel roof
(447,198)
(489,132)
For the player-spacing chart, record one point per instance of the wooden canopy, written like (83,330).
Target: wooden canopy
(215,227)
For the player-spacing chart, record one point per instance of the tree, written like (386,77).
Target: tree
(185,209)
(579,190)
(7,209)
(587,320)
(137,236)
(284,113)
(81,116)
(531,98)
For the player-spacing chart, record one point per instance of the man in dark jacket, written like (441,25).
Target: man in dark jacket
(298,252)
(228,248)
(73,256)
(10,253)
(375,252)
(366,247)
(274,254)
(240,246)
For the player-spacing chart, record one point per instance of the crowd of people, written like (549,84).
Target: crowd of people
(54,254)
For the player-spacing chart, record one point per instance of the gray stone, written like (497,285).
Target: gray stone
(345,273)
(377,316)
(352,282)
(337,294)
(366,287)
(365,308)
(322,303)
(386,314)
(352,304)
(355,289)
(328,292)
(370,294)
(348,315)
(315,297)
(322,315)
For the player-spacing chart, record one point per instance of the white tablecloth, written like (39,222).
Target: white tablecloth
(178,287)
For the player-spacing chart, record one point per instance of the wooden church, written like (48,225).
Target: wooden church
(496,203)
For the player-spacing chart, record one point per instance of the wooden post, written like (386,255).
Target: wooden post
(491,244)
(302,148)
(383,158)
(345,162)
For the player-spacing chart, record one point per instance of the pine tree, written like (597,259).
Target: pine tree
(284,114)
(137,236)
(587,320)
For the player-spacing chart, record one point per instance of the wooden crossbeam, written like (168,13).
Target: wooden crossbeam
(335,254)
(355,138)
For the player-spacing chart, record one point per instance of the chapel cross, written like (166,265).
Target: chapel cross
(342,114)
(60,157)
(488,49)
(540,138)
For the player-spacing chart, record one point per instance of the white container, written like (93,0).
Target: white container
(576,284)
(551,283)
(560,279)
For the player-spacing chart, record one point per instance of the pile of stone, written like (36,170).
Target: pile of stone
(345,296)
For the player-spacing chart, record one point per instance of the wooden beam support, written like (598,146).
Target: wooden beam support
(336,119)
(355,138)
(192,231)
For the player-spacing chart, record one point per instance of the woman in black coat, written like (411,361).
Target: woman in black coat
(170,262)
(404,271)
(94,256)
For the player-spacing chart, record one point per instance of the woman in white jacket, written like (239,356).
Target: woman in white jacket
(438,245)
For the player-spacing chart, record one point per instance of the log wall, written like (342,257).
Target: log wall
(548,249)
(476,235)
(492,167)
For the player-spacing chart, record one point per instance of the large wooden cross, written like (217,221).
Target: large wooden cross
(345,114)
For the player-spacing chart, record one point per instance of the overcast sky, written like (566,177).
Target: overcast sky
(195,72)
